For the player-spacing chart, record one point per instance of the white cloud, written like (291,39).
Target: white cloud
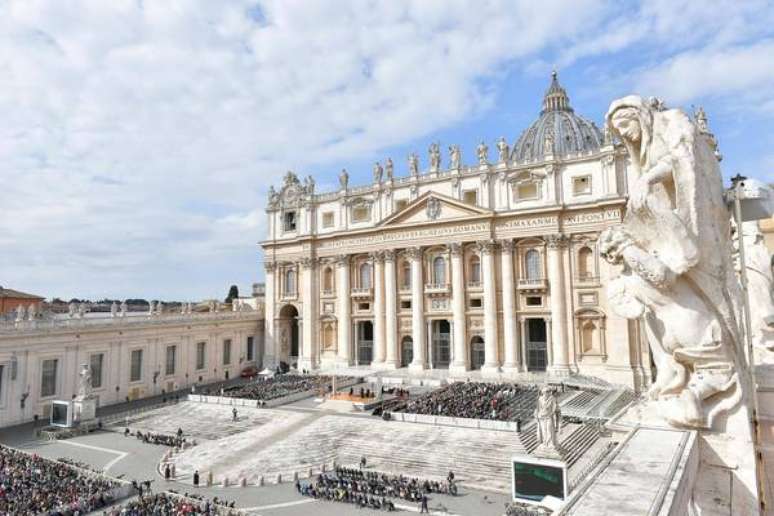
(746,71)
(137,138)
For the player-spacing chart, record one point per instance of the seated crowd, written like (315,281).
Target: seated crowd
(30,484)
(372,489)
(174,441)
(476,400)
(280,386)
(169,504)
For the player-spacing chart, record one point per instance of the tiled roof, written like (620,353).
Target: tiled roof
(7,292)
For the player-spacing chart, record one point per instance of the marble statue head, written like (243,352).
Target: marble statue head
(631,120)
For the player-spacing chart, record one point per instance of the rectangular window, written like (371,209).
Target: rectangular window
(475,302)
(361,213)
(405,305)
(48,378)
(534,301)
(470,197)
(290,221)
(96,360)
(250,349)
(327,219)
(227,352)
(200,349)
(135,372)
(364,306)
(400,204)
(581,185)
(526,191)
(171,356)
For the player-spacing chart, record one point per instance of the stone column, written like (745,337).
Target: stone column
(344,324)
(417,309)
(491,360)
(460,363)
(269,342)
(523,344)
(559,341)
(309,318)
(509,307)
(390,311)
(379,330)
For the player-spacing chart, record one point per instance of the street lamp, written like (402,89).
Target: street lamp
(752,200)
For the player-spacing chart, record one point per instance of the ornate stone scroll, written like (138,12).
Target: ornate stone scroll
(677,271)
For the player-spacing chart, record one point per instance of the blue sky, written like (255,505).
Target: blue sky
(138,139)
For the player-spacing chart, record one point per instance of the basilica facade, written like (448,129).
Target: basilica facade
(489,266)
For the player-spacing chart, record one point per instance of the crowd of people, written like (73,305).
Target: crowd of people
(373,490)
(265,389)
(173,441)
(170,504)
(475,400)
(30,484)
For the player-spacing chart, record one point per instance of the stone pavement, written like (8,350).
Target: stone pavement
(130,458)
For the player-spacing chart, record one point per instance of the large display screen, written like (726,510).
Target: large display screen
(536,481)
(59,413)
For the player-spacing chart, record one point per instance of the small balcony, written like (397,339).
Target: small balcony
(362,293)
(404,290)
(437,289)
(475,285)
(532,284)
(289,296)
(587,279)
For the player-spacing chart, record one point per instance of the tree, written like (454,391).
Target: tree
(233,293)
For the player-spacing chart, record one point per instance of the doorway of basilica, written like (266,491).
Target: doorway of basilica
(537,355)
(288,334)
(406,351)
(441,344)
(365,342)
(477,354)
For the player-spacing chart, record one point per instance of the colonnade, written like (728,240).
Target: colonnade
(386,316)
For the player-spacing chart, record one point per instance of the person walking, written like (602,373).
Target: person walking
(423,508)
(362,462)
(167,472)
(196,478)
(234,414)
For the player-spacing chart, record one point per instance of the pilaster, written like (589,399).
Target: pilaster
(344,324)
(418,333)
(460,364)
(509,308)
(491,359)
(390,311)
(379,329)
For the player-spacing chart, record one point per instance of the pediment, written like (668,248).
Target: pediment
(433,207)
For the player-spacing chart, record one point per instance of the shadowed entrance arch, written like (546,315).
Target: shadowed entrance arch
(288,334)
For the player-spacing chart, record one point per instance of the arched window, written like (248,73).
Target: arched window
(532,265)
(365,275)
(475,269)
(588,336)
(585,263)
(290,282)
(328,279)
(439,270)
(406,275)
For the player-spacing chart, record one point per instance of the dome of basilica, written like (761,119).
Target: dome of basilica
(558,131)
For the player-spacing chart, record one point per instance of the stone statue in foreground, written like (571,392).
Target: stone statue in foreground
(677,270)
(549,422)
(84,382)
(760,283)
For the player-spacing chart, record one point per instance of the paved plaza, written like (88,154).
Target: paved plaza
(293,438)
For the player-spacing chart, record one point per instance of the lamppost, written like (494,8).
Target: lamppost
(752,201)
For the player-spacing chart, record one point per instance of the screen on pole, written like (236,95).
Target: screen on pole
(536,481)
(59,410)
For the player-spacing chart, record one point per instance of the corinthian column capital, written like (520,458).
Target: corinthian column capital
(487,247)
(556,241)
(507,245)
(389,255)
(455,249)
(414,253)
(342,260)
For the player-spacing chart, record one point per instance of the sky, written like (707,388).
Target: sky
(138,138)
